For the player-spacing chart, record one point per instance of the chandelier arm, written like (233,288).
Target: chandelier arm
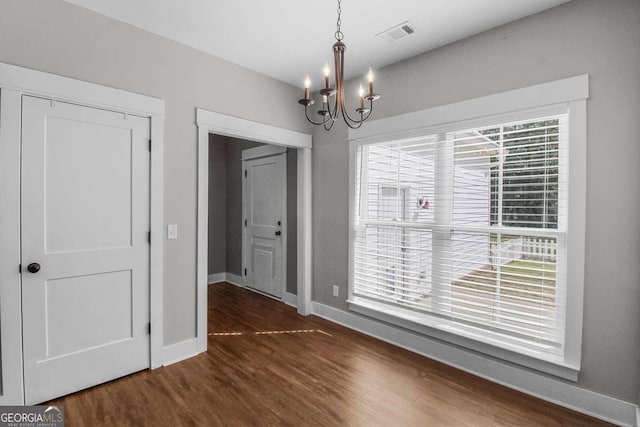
(306,113)
(328,127)
(362,119)
(333,114)
(346,115)
(353,124)
(370,111)
(330,118)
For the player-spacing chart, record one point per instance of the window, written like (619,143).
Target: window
(464,228)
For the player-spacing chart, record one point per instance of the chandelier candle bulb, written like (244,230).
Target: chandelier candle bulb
(370,77)
(361,94)
(326,75)
(307,85)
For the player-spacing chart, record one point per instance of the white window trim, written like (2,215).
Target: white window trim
(568,94)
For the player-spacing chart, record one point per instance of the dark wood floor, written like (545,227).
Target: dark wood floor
(266,365)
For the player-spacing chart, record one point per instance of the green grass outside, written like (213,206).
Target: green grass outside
(547,271)
(540,286)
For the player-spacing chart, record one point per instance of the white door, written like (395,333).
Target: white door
(265,214)
(85,223)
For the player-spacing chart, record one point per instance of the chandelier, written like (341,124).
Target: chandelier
(328,113)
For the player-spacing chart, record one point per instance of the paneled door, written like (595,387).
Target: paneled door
(85,250)
(265,216)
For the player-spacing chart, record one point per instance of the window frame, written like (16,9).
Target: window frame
(560,96)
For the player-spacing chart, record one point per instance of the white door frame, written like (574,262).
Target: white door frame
(221,124)
(256,153)
(15,82)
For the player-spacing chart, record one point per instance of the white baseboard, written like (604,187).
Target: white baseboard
(216,278)
(234,279)
(290,299)
(179,351)
(541,386)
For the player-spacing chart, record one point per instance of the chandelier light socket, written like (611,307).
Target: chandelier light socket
(328,92)
(306,102)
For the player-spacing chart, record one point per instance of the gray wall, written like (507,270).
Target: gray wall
(217,205)
(64,39)
(601,38)
(292,221)
(225,207)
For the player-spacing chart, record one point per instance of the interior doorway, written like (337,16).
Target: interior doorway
(247,180)
(209,123)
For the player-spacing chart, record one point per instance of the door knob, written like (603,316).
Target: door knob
(278,233)
(34,267)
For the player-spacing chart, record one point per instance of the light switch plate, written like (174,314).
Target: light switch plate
(172,231)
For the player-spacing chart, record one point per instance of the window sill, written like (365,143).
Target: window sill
(476,339)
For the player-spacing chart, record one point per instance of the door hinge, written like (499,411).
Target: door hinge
(245,271)
(245,222)
(149,145)
(149,328)
(149,237)
(245,173)
(19,268)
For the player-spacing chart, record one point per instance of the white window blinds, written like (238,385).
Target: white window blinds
(468,225)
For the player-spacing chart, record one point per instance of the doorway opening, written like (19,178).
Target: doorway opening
(210,122)
(252,218)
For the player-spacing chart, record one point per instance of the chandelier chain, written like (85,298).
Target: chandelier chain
(339,36)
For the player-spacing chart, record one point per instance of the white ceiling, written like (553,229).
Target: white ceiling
(288,39)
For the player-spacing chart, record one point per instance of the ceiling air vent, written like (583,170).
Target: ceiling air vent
(397,32)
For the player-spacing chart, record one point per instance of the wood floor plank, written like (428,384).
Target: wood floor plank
(266,365)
